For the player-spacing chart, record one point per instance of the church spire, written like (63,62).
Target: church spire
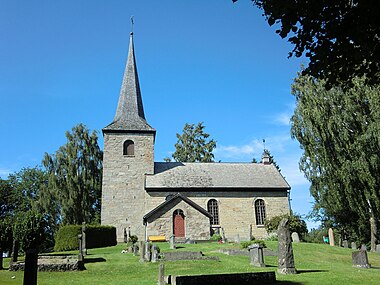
(130,111)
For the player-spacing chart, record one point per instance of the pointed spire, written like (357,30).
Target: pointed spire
(130,111)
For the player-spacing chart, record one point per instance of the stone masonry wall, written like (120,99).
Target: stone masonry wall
(123,194)
(197,225)
(236,209)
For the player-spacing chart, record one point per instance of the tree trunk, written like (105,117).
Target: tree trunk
(373,224)
(30,270)
(15,249)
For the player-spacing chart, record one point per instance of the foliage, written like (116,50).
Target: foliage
(216,237)
(316,235)
(340,38)
(6,234)
(7,203)
(272,237)
(30,229)
(96,236)
(338,131)
(133,239)
(296,224)
(246,244)
(74,177)
(194,145)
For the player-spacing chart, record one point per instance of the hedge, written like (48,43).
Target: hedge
(96,236)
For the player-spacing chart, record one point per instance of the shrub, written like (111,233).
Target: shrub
(96,236)
(216,237)
(296,224)
(272,237)
(133,239)
(246,244)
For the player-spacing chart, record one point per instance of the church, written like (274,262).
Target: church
(188,200)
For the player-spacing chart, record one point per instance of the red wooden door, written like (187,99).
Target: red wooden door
(179,224)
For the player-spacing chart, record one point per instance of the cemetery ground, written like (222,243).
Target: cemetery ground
(316,264)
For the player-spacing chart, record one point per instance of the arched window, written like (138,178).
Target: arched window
(129,148)
(212,208)
(260,211)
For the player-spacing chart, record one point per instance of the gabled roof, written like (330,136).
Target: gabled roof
(172,200)
(130,111)
(177,175)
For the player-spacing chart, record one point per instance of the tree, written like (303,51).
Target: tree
(340,38)
(272,160)
(74,177)
(5,237)
(7,203)
(194,145)
(296,224)
(338,131)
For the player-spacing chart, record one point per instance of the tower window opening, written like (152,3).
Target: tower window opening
(129,148)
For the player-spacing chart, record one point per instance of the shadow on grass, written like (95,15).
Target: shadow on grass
(94,259)
(310,271)
(287,283)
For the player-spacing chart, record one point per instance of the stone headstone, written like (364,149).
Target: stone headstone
(142,251)
(135,249)
(84,247)
(378,248)
(80,255)
(172,242)
(161,274)
(363,247)
(360,259)
(31,266)
(147,252)
(353,246)
(295,237)
(154,255)
(331,237)
(285,249)
(345,243)
(223,236)
(256,255)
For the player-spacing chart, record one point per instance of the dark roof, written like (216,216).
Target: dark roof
(130,111)
(174,175)
(171,200)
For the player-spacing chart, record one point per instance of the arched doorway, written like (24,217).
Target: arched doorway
(178,223)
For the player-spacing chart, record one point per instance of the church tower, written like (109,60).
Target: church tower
(128,156)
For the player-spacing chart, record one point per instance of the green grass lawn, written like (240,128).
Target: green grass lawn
(316,263)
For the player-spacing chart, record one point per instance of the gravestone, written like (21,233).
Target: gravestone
(161,274)
(135,249)
(345,243)
(31,266)
(363,247)
(295,237)
(223,236)
(80,255)
(256,255)
(378,248)
(172,242)
(331,237)
(147,252)
(84,247)
(285,249)
(353,246)
(360,259)
(142,251)
(154,253)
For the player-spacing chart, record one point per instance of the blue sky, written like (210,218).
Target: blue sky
(62,62)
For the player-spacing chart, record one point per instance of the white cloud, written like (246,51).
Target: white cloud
(5,172)
(283,119)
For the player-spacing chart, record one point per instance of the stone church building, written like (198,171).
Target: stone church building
(188,200)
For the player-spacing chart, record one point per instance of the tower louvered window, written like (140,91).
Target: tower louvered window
(212,208)
(129,148)
(260,212)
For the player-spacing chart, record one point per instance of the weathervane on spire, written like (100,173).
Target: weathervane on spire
(132,23)
(264,144)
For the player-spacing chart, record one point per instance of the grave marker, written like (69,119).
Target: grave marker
(331,237)
(285,249)
(295,237)
(360,259)
(256,255)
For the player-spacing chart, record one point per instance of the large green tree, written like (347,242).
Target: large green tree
(339,132)
(74,177)
(340,38)
(194,145)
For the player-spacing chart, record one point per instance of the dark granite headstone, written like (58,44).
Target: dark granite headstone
(285,249)
(360,259)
